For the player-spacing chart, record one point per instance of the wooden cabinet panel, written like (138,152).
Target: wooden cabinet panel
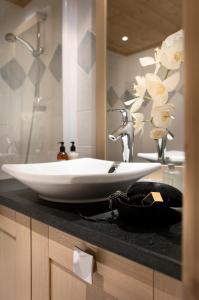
(166,288)
(7,266)
(7,221)
(66,286)
(114,275)
(23,258)
(52,277)
(15,255)
(40,262)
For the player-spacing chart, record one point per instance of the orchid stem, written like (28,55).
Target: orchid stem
(147,98)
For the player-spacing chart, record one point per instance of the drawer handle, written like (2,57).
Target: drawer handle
(83,265)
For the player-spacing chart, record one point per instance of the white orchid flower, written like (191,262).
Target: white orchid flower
(173,38)
(171,53)
(147,61)
(135,104)
(140,87)
(158,133)
(130,102)
(172,81)
(138,123)
(162,115)
(158,89)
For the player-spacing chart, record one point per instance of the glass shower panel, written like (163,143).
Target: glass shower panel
(30,81)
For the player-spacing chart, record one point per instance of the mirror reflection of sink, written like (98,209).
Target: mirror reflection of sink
(81,180)
(8,158)
(175,157)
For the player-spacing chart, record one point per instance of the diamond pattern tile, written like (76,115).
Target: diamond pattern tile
(87,52)
(112,96)
(126,96)
(36,71)
(13,74)
(56,63)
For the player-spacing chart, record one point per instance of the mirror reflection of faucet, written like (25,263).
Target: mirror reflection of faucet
(125,132)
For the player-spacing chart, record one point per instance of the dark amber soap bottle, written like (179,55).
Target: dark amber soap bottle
(62,155)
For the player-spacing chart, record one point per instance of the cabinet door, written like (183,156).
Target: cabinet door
(15,258)
(114,277)
(166,288)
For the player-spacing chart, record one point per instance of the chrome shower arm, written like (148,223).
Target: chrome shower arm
(35,52)
(25,43)
(10,37)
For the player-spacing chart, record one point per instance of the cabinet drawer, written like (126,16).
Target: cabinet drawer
(166,288)
(115,275)
(7,221)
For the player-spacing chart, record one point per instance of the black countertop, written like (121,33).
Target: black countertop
(157,247)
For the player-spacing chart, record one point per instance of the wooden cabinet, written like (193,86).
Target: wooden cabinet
(114,277)
(36,263)
(15,256)
(166,288)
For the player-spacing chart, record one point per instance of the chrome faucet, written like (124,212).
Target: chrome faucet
(125,132)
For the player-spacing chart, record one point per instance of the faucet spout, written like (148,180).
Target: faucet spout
(126,133)
(127,147)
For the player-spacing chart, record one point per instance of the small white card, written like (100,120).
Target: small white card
(83,265)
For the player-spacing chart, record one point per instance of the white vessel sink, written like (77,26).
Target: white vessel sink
(80,180)
(173,156)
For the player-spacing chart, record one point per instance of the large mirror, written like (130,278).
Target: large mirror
(145,80)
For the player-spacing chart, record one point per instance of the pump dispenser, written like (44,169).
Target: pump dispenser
(62,155)
(73,154)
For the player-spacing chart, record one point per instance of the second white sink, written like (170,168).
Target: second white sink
(173,156)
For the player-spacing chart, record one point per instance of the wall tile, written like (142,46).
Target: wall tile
(13,74)
(86,128)
(36,71)
(56,63)
(127,95)
(112,96)
(86,91)
(87,52)
(86,151)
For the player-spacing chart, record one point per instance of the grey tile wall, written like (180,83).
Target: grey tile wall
(36,71)
(127,95)
(87,52)
(14,75)
(55,65)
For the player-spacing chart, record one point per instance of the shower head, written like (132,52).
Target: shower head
(10,37)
